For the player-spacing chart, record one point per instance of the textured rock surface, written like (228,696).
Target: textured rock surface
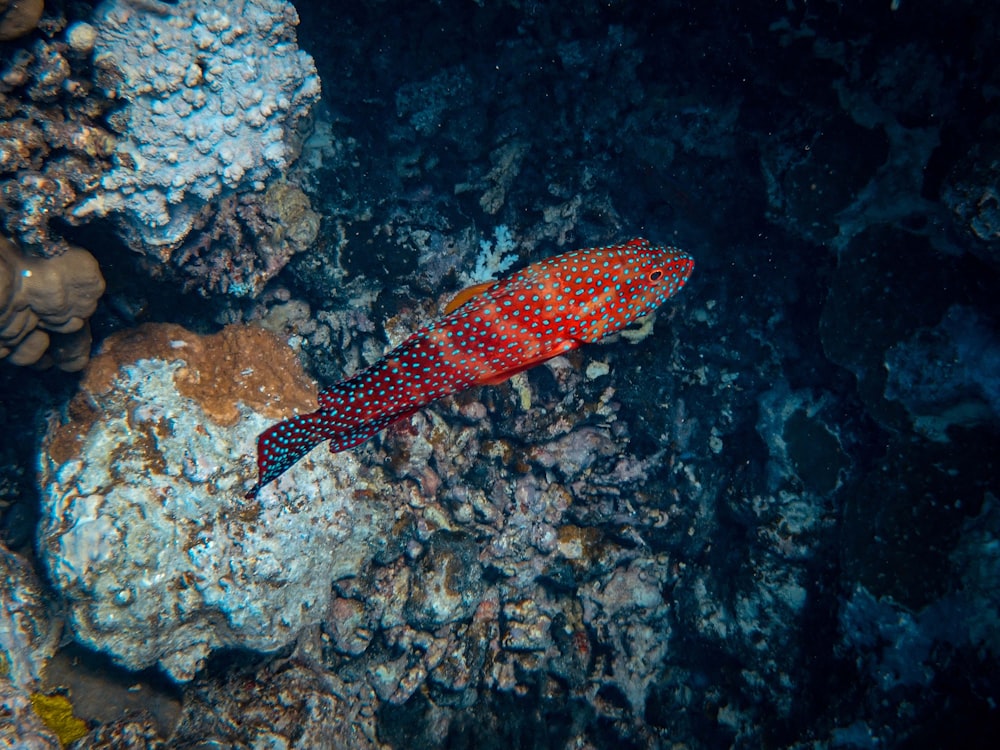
(972,192)
(213,92)
(28,633)
(20,727)
(144,530)
(947,375)
(28,638)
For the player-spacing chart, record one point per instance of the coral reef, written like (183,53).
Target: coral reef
(28,631)
(44,306)
(245,240)
(212,96)
(143,530)
(54,147)
(772,523)
(194,167)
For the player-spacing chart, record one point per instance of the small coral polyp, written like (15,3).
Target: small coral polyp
(144,533)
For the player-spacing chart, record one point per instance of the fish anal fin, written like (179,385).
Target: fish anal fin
(359,436)
(499,377)
(282,445)
(465,295)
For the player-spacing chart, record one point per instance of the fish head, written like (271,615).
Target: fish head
(612,287)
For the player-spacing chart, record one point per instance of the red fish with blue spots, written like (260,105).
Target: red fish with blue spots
(489,333)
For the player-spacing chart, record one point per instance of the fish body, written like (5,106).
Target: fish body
(488,334)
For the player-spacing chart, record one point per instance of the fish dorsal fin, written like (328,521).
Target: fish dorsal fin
(499,377)
(466,294)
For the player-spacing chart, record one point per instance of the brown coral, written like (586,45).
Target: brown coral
(19,17)
(240,363)
(53,147)
(268,378)
(44,306)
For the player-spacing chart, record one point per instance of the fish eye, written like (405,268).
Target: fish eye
(655,275)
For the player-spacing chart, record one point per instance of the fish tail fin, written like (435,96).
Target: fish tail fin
(281,446)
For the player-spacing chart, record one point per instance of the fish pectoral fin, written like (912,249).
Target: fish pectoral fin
(499,377)
(466,294)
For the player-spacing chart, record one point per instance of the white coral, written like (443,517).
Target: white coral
(198,85)
(159,561)
(494,257)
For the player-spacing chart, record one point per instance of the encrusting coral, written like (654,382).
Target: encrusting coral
(44,306)
(237,364)
(56,712)
(215,101)
(144,532)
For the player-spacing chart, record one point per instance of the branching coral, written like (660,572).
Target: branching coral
(244,240)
